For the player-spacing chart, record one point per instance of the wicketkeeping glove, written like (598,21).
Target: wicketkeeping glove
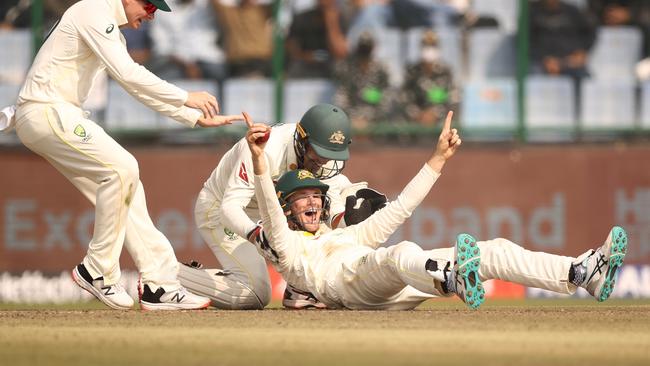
(258,237)
(362,205)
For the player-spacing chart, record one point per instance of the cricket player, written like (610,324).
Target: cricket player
(227,212)
(344,268)
(49,121)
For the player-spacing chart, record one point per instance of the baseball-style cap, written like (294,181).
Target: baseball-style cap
(160,4)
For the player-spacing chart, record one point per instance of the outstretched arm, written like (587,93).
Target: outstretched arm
(273,240)
(377,228)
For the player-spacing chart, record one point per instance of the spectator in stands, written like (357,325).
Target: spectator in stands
(316,40)
(428,91)
(17,13)
(374,15)
(248,37)
(185,43)
(624,13)
(560,38)
(362,85)
(138,43)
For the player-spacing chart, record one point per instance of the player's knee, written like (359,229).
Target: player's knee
(405,249)
(494,245)
(127,170)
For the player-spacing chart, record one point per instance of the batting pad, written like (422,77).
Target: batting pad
(225,293)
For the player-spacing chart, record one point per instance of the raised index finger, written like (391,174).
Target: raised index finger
(447,125)
(248,119)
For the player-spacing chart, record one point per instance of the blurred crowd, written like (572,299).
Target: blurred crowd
(337,40)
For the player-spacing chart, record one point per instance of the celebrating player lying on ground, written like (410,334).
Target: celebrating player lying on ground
(49,121)
(346,268)
(227,216)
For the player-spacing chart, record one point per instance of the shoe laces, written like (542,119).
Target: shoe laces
(117,288)
(450,278)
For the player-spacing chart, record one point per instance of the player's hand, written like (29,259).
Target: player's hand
(204,101)
(362,205)
(218,120)
(257,135)
(448,143)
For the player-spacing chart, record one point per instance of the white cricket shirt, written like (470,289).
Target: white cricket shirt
(86,41)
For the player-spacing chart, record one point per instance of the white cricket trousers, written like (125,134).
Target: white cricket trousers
(108,176)
(395,278)
(243,283)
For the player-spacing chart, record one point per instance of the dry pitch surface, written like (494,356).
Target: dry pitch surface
(546,332)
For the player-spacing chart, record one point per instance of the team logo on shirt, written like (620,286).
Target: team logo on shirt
(80,131)
(110,28)
(229,233)
(243,175)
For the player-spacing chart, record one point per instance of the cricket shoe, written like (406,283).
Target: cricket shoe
(297,299)
(463,279)
(114,296)
(179,299)
(596,269)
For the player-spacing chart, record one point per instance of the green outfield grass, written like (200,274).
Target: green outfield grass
(541,332)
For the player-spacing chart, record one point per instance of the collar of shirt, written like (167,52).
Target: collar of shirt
(118,11)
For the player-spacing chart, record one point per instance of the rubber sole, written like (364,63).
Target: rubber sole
(468,258)
(170,307)
(616,256)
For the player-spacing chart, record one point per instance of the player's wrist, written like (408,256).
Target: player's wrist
(437,162)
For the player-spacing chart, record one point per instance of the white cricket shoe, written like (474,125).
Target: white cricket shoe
(114,296)
(596,270)
(297,299)
(179,299)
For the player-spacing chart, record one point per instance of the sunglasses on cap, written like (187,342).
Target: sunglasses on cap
(150,8)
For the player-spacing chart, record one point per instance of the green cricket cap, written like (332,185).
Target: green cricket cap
(160,4)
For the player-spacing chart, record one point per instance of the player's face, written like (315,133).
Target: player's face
(306,207)
(138,11)
(313,162)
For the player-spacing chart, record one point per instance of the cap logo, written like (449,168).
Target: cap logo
(337,138)
(305,174)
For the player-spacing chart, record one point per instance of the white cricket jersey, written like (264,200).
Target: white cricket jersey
(83,43)
(319,263)
(232,186)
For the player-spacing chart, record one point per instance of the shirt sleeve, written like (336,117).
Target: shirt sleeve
(102,36)
(182,114)
(376,230)
(274,222)
(238,194)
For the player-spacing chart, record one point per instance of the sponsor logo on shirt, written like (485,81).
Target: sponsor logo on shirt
(110,28)
(243,175)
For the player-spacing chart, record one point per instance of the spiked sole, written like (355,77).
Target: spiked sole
(616,256)
(468,257)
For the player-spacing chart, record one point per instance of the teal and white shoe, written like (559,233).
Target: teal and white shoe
(467,284)
(596,270)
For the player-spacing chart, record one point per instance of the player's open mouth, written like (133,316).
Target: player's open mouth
(311,212)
